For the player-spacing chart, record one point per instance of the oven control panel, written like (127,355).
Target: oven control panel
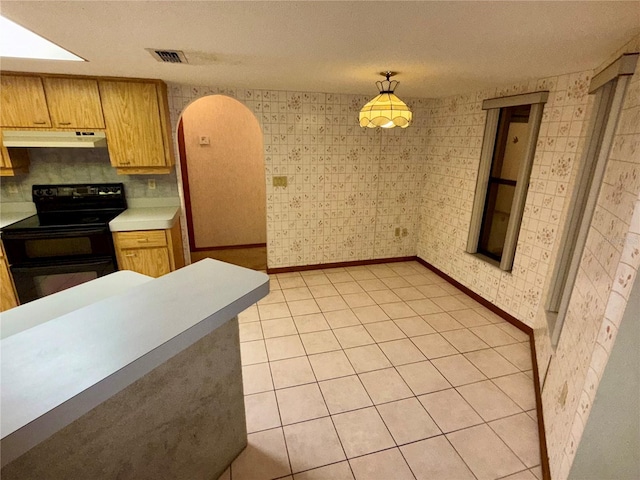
(51,191)
(73,197)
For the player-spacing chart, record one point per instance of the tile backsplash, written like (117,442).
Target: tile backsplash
(76,165)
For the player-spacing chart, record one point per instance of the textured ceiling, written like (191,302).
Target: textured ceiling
(439,47)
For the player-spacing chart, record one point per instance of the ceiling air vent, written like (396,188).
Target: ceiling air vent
(168,56)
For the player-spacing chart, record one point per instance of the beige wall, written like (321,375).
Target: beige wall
(226,177)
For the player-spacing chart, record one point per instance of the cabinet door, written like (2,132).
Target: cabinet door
(148,261)
(132,119)
(8,297)
(74,103)
(23,102)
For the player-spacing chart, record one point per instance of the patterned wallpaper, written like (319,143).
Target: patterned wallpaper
(611,260)
(455,127)
(348,188)
(607,272)
(80,165)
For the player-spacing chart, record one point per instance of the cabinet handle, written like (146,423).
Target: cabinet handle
(143,240)
(64,123)
(125,163)
(39,123)
(130,255)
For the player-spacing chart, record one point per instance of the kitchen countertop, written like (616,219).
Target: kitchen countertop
(147,214)
(57,371)
(142,214)
(53,306)
(145,218)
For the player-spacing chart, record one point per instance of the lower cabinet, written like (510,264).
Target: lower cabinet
(150,252)
(8,297)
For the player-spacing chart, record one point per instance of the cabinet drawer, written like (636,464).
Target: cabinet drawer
(141,239)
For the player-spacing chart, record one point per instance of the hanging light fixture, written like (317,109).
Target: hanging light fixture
(386,110)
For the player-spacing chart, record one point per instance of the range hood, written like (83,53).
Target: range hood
(59,139)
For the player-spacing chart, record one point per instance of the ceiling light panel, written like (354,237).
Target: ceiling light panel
(18,42)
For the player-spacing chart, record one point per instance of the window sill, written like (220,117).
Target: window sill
(489,260)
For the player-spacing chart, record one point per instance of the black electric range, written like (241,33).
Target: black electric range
(67,242)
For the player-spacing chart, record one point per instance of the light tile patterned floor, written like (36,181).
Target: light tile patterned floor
(383,372)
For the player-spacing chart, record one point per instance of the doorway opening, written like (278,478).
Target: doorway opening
(223,177)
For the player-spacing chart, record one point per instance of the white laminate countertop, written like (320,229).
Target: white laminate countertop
(55,372)
(145,218)
(53,306)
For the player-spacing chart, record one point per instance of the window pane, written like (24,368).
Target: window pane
(496,219)
(514,150)
(511,142)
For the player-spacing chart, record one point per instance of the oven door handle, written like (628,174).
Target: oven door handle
(80,232)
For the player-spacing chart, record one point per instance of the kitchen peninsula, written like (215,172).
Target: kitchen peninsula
(141,384)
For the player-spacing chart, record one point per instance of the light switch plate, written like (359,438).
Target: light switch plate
(280,181)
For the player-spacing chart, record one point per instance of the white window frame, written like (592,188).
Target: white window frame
(609,87)
(493,107)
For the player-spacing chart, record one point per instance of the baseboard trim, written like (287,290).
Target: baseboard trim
(481,300)
(229,247)
(355,263)
(542,435)
(544,454)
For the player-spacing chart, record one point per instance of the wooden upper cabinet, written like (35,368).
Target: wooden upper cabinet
(73,103)
(23,102)
(134,126)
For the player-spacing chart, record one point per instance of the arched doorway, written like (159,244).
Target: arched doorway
(223,177)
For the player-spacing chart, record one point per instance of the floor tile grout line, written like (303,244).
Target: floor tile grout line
(324,399)
(460,455)
(430,360)
(329,415)
(392,365)
(280,417)
(519,471)
(509,446)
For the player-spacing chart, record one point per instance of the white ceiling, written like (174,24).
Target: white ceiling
(439,47)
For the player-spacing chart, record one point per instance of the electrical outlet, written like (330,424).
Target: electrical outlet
(405,232)
(151,184)
(13,188)
(397,231)
(280,181)
(203,140)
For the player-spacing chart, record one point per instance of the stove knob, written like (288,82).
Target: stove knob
(49,192)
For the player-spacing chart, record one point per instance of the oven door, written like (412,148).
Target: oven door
(38,246)
(38,280)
